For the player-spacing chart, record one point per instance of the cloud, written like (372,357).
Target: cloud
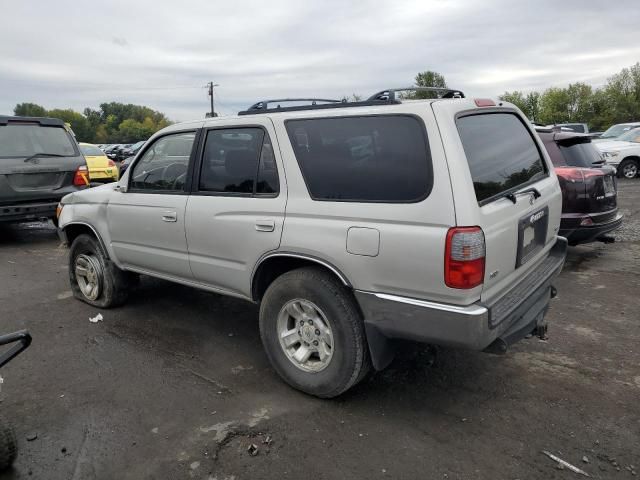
(162,57)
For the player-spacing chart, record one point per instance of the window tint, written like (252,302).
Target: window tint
(365,159)
(23,140)
(501,153)
(164,164)
(580,154)
(239,160)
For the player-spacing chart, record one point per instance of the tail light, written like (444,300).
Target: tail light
(81,177)
(464,257)
(112,163)
(576,174)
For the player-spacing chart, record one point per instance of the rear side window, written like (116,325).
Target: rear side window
(363,159)
(26,139)
(239,160)
(582,155)
(501,153)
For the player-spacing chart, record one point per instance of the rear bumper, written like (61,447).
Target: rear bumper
(27,211)
(103,175)
(586,234)
(519,312)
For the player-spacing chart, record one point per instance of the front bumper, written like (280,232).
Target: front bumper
(519,312)
(27,211)
(585,234)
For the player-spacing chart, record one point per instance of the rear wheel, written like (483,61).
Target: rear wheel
(628,168)
(94,278)
(8,445)
(313,333)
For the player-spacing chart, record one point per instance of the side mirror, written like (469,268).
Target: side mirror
(121,186)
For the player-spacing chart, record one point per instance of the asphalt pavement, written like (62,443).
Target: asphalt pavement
(175,384)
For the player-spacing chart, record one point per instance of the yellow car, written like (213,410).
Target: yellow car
(101,169)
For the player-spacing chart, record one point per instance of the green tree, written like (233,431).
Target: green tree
(532,102)
(79,124)
(29,110)
(517,98)
(428,78)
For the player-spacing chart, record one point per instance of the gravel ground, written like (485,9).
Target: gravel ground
(175,385)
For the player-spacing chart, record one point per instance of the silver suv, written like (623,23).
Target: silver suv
(352,224)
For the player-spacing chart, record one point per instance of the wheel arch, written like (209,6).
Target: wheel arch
(272,265)
(74,229)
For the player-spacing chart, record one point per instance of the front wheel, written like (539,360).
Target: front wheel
(313,333)
(8,445)
(628,168)
(94,278)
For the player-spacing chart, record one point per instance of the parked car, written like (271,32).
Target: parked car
(623,153)
(109,151)
(132,150)
(124,165)
(434,220)
(101,168)
(573,127)
(589,190)
(615,131)
(39,164)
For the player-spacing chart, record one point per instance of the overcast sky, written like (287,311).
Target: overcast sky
(161,53)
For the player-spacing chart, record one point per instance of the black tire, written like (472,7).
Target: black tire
(350,361)
(114,283)
(8,445)
(626,164)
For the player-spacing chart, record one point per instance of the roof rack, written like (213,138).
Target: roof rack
(390,94)
(264,104)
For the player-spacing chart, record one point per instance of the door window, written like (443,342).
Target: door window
(163,166)
(239,161)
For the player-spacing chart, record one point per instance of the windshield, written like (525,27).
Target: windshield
(26,139)
(631,136)
(616,131)
(91,151)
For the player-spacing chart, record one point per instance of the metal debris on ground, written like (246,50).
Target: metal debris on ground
(267,440)
(32,436)
(564,463)
(253,450)
(96,319)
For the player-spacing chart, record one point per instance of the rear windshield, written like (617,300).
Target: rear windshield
(582,155)
(91,151)
(23,140)
(501,153)
(363,159)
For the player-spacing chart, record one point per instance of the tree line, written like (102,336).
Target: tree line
(113,123)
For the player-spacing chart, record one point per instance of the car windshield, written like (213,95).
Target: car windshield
(631,136)
(26,139)
(616,131)
(91,151)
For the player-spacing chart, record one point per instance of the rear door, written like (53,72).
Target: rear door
(504,183)
(37,161)
(236,210)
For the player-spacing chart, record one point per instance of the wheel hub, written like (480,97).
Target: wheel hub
(305,335)
(88,272)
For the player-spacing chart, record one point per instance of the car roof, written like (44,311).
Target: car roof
(5,119)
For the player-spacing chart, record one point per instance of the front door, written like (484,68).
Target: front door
(147,221)
(236,210)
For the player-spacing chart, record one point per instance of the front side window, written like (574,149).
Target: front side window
(382,158)
(239,161)
(501,153)
(163,166)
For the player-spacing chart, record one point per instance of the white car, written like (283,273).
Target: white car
(623,153)
(615,131)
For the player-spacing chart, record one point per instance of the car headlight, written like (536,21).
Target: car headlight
(610,154)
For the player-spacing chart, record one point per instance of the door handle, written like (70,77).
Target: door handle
(169,216)
(265,225)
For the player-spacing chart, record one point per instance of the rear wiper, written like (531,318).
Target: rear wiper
(42,154)
(513,196)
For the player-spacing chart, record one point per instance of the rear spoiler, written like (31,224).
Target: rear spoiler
(45,121)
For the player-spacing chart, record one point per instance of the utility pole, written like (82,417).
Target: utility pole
(211,85)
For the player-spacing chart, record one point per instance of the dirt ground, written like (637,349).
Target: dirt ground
(175,385)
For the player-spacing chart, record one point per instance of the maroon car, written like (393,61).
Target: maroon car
(589,188)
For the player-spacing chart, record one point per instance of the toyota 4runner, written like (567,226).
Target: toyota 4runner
(352,224)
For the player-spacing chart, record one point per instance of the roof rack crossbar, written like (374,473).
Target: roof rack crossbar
(390,94)
(264,104)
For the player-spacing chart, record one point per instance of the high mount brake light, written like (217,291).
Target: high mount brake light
(484,102)
(464,260)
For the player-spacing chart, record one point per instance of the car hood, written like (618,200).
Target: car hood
(615,145)
(100,194)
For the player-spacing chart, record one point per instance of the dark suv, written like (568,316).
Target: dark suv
(589,189)
(39,164)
